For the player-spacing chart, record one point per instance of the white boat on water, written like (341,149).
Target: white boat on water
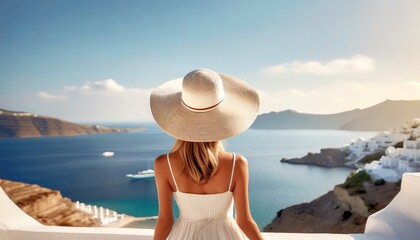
(149,173)
(108,154)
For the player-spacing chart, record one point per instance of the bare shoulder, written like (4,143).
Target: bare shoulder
(241,173)
(241,160)
(241,163)
(160,163)
(160,159)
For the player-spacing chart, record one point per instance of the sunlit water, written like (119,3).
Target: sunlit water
(76,167)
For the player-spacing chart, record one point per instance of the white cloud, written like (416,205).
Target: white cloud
(355,64)
(103,86)
(107,85)
(311,67)
(97,101)
(70,88)
(47,96)
(274,70)
(297,92)
(413,84)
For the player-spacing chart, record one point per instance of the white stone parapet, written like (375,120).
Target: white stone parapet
(400,220)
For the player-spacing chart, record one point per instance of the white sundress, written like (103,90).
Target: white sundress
(205,216)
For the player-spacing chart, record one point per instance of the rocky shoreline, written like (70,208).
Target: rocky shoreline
(328,157)
(343,210)
(346,208)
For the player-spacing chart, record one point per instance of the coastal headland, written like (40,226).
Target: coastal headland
(328,157)
(343,210)
(24,124)
(339,157)
(369,189)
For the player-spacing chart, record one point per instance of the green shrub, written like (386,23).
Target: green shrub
(346,215)
(412,138)
(377,155)
(360,190)
(371,205)
(399,145)
(357,179)
(398,183)
(372,157)
(379,182)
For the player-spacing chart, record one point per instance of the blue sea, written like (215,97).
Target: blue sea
(75,166)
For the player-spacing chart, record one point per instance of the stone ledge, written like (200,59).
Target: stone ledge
(399,220)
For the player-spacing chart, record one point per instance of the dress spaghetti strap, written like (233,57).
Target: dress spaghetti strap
(172,173)
(233,169)
(176,185)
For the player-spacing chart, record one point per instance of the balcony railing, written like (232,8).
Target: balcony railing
(400,220)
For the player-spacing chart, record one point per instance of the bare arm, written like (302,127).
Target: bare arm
(164,190)
(240,194)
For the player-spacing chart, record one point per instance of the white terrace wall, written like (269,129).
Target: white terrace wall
(401,218)
(398,221)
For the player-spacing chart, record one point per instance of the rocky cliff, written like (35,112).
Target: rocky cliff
(45,205)
(23,124)
(328,157)
(343,210)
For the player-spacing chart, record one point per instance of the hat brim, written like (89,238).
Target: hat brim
(232,116)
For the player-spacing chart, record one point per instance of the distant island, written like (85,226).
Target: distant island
(24,124)
(380,117)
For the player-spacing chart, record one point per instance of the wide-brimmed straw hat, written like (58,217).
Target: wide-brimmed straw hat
(205,106)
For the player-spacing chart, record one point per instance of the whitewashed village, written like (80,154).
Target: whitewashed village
(397,160)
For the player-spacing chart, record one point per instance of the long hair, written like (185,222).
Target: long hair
(200,158)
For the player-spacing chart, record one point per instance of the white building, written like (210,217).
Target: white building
(396,162)
(385,139)
(376,172)
(359,148)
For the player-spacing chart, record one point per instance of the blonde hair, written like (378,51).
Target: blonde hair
(200,158)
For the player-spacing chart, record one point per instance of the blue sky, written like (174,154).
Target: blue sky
(97,60)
